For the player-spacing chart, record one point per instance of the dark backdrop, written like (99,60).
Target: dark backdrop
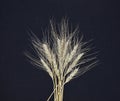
(98,19)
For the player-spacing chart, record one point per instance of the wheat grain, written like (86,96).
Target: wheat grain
(47,52)
(71,75)
(55,66)
(74,63)
(73,52)
(47,68)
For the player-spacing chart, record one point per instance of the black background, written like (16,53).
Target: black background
(98,19)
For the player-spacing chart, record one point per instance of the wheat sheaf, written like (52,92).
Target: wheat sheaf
(62,54)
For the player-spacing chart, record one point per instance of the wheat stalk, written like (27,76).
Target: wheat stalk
(61,55)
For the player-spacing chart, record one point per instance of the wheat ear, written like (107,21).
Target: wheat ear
(61,55)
